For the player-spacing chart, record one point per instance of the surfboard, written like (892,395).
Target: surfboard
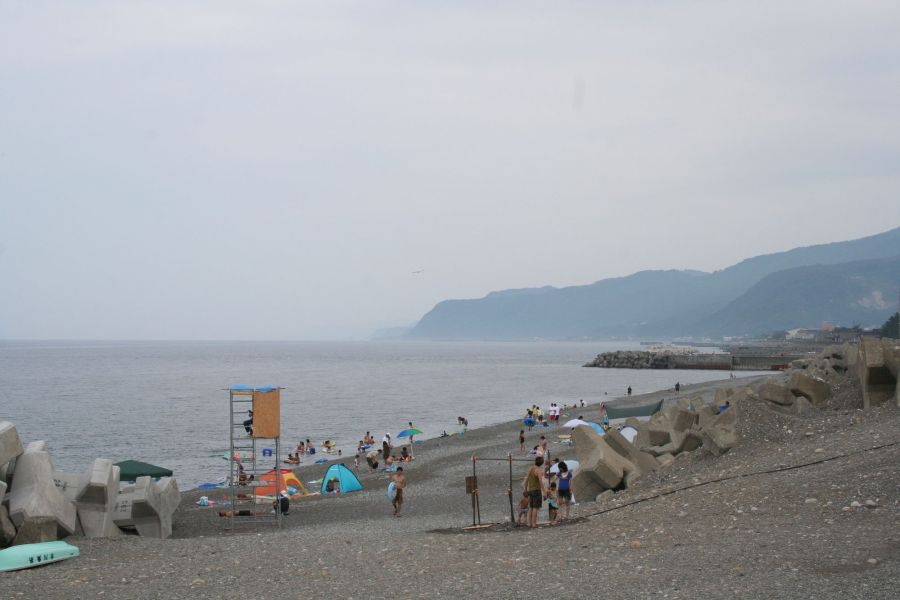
(26,556)
(391,490)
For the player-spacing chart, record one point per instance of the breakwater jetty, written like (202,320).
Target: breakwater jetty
(760,360)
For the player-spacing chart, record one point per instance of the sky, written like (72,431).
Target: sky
(282,170)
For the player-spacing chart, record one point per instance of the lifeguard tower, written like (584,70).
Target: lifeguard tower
(255,448)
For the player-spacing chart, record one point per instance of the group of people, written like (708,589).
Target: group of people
(539,450)
(373,456)
(544,483)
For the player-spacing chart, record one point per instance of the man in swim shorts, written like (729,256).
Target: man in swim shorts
(399,480)
(534,485)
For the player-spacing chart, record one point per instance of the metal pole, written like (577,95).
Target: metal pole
(473,491)
(512,512)
(475,495)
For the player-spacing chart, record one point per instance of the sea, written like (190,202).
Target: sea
(166,403)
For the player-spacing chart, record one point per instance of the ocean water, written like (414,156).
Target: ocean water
(165,402)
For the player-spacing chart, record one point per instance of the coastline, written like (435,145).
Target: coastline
(703,541)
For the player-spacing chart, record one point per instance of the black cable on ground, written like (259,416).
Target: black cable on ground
(696,485)
(738,476)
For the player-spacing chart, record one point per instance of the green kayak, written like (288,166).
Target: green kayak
(32,555)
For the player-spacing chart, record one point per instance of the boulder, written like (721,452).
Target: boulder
(37,529)
(776,394)
(10,444)
(597,460)
(33,495)
(812,388)
(7,529)
(719,435)
(642,461)
(802,407)
(604,496)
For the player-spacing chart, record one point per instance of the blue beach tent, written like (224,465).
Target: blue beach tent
(348,481)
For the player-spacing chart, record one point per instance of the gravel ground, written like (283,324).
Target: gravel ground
(785,534)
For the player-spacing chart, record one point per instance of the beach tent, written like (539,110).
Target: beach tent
(640,410)
(596,427)
(130,470)
(288,481)
(348,481)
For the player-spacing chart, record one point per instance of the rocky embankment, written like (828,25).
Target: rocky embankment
(634,359)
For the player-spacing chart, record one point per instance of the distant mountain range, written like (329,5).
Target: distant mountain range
(845,283)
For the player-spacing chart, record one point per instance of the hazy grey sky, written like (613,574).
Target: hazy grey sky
(278,169)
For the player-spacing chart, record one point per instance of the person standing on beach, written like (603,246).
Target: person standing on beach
(386,445)
(565,487)
(522,441)
(534,485)
(543,444)
(629,390)
(399,480)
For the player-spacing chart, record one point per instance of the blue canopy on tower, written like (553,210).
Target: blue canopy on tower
(253,388)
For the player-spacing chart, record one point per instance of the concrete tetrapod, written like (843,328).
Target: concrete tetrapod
(34,495)
(642,461)
(147,506)
(719,435)
(598,462)
(10,444)
(7,529)
(97,499)
(812,388)
(776,394)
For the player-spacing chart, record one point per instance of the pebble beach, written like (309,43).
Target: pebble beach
(803,507)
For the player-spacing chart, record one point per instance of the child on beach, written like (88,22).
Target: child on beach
(552,503)
(399,480)
(522,441)
(523,508)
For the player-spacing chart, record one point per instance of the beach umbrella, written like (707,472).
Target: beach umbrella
(409,433)
(574,423)
(629,433)
(572,464)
